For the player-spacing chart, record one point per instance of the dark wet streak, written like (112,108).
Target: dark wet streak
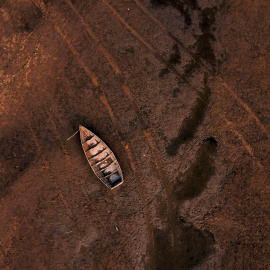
(200,172)
(191,123)
(183,6)
(193,247)
(203,45)
(174,59)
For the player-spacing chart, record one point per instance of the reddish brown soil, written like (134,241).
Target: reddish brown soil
(179,90)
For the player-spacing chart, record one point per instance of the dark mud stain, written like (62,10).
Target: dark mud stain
(189,69)
(103,131)
(164,255)
(184,7)
(200,172)
(191,123)
(26,18)
(193,246)
(203,44)
(174,59)
(204,48)
(176,91)
(77,120)
(129,50)
(48,1)
(211,140)
(17,151)
(207,19)
(163,72)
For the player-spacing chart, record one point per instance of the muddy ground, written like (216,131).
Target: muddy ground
(179,90)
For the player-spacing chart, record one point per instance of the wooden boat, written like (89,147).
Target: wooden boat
(101,159)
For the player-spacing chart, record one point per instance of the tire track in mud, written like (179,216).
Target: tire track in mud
(100,93)
(104,51)
(203,65)
(64,150)
(244,105)
(244,142)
